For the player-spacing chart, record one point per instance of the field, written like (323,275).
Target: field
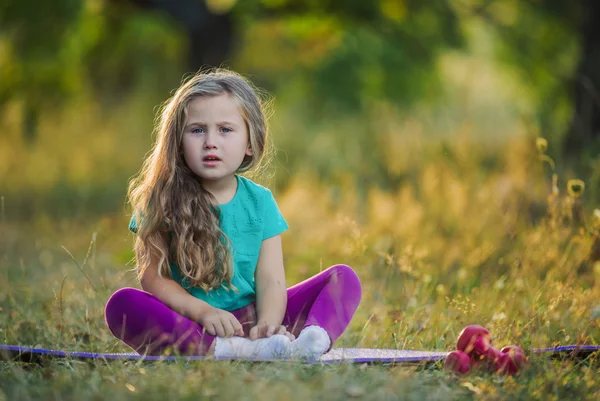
(468,233)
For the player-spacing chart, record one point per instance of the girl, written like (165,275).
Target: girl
(208,244)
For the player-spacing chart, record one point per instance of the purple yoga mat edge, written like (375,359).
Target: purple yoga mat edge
(354,354)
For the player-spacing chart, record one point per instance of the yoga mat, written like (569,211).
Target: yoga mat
(336,355)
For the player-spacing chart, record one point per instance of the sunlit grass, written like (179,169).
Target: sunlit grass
(469,235)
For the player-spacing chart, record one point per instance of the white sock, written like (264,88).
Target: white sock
(311,343)
(276,346)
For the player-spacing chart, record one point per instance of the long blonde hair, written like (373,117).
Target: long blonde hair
(178,220)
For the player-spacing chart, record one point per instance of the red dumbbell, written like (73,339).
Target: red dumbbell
(510,360)
(457,362)
(475,341)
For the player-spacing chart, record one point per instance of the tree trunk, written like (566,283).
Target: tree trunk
(210,36)
(584,130)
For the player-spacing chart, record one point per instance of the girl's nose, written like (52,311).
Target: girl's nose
(209,140)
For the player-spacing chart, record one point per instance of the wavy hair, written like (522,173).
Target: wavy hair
(178,220)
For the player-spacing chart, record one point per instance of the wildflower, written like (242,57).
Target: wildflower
(575,188)
(440,289)
(541,144)
(555,190)
(499,316)
(499,284)
(597,268)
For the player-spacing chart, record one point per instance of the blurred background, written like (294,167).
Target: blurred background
(428,141)
(358,84)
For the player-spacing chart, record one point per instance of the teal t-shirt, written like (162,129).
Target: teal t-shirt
(249,218)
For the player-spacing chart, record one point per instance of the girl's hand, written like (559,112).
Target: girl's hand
(262,330)
(218,322)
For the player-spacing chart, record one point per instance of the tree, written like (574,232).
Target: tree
(55,52)
(555,44)
(39,59)
(208,27)
(344,54)
(585,124)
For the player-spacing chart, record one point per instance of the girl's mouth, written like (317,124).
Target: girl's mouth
(210,160)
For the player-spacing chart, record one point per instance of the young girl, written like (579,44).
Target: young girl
(208,244)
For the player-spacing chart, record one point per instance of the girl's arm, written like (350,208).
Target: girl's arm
(271,292)
(172,294)
(214,320)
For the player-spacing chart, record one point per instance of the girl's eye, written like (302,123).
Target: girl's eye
(197,130)
(226,129)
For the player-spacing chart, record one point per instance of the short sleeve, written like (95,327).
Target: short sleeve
(274,223)
(133,225)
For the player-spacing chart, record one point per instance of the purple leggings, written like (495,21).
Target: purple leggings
(142,321)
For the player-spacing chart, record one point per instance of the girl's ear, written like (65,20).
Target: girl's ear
(249,151)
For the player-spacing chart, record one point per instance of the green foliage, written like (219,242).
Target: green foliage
(52,53)
(348,55)
(542,43)
(38,59)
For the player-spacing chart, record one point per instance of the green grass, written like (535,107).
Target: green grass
(467,236)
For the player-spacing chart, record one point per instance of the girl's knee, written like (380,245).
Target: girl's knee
(122,297)
(120,303)
(347,276)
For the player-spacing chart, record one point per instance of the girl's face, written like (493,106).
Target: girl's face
(215,138)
